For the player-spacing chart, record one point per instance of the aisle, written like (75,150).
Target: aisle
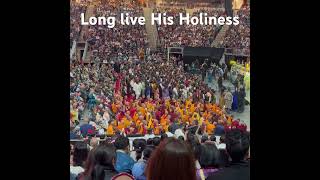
(245,115)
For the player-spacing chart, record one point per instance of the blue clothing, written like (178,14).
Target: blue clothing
(85,128)
(138,170)
(219,130)
(124,163)
(73,135)
(235,102)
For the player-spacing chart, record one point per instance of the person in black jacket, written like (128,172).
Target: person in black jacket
(237,146)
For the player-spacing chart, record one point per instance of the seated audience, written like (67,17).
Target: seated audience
(138,170)
(237,143)
(173,159)
(209,160)
(124,162)
(103,166)
(80,154)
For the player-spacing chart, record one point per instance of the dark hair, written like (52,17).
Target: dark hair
(237,144)
(147,152)
(163,136)
(104,157)
(89,164)
(181,138)
(170,129)
(121,142)
(204,139)
(172,155)
(209,155)
(150,141)
(213,138)
(139,145)
(222,139)
(223,158)
(80,153)
(156,141)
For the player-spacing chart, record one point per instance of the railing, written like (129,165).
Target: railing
(131,139)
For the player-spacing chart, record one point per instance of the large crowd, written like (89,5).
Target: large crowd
(238,36)
(127,92)
(184,157)
(76,8)
(122,41)
(187,35)
(135,96)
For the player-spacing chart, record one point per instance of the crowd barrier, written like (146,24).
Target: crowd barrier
(131,139)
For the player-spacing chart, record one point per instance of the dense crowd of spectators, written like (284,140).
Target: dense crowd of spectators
(178,115)
(119,42)
(193,4)
(187,35)
(76,8)
(185,156)
(238,36)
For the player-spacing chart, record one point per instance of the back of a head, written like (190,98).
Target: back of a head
(123,177)
(104,157)
(94,142)
(181,138)
(121,142)
(150,141)
(139,145)
(170,156)
(163,136)
(147,152)
(204,138)
(80,153)
(209,155)
(237,144)
(156,141)
(213,138)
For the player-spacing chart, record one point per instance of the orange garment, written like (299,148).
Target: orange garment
(163,119)
(150,106)
(121,126)
(229,120)
(126,122)
(156,130)
(114,108)
(192,108)
(210,128)
(135,117)
(141,130)
(110,130)
(165,128)
(142,110)
(188,102)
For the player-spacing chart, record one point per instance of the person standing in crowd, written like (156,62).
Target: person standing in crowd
(237,146)
(138,170)
(102,166)
(235,100)
(203,70)
(80,155)
(209,160)
(221,99)
(220,83)
(210,75)
(124,162)
(228,98)
(86,128)
(138,147)
(241,99)
(172,155)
